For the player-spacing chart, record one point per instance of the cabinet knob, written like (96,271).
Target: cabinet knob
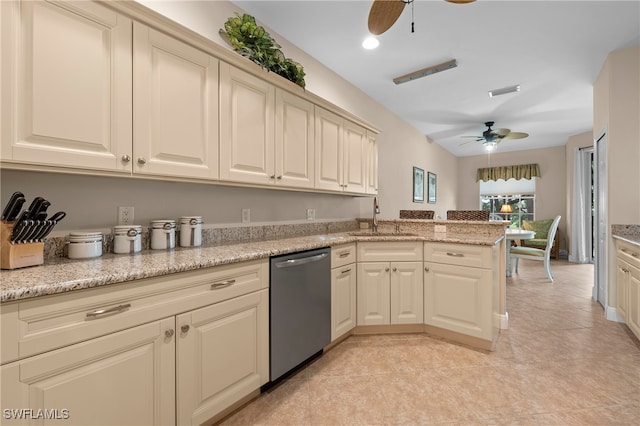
(386,269)
(395,269)
(426,269)
(142,160)
(126,158)
(169,333)
(279,177)
(185,328)
(272,177)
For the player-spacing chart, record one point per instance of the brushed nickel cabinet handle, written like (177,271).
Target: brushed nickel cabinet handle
(272,177)
(185,328)
(169,333)
(395,269)
(222,284)
(345,254)
(455,254)
(126,158)
(345,271)
(426,269)
(142,160)
(386,269)
(108,311)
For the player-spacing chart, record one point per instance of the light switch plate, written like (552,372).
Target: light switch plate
(246,215)
(311,214)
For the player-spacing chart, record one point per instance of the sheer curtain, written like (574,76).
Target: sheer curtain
(580,251)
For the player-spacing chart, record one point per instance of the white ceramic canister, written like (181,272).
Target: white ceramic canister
(190,231)
(127,238)
(163,234)
(84,245)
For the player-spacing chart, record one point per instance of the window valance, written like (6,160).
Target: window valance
(517,172)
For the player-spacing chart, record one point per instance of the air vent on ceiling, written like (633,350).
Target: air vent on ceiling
(504,90)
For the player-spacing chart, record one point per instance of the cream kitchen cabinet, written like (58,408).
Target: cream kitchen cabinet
(123,378)
(628,285)
(372,163)
(175,99)
(66,89)
(461,289)
(341,153)
(195,342)
(343,290)
(389,283)
(267,134)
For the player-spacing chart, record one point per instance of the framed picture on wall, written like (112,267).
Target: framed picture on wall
(432,185)
(418,185)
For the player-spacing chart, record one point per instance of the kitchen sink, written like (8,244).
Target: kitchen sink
(382,234)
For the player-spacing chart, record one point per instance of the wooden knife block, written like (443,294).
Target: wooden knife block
(13,256)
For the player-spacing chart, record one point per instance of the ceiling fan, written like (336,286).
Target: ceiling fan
(384,13)
(491,137)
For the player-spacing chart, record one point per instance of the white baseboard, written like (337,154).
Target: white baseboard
(612,315)
(501,321)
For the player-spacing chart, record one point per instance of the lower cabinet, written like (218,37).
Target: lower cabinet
(628,285)
(206,349)
(390,292)
(343,290)
(222,355)
(125,378)
(461,289)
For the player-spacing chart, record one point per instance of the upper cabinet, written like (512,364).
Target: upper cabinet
(86,89)
(66,85)
(341,153)
(267,134)
(175,99)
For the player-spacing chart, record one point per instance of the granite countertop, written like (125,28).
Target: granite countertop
(63,275)
(628,233)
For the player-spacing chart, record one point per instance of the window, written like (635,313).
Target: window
(519,194)
(522,205)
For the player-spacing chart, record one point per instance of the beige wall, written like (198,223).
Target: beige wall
(617,111)
(550,188)
(574,142)
(93,201)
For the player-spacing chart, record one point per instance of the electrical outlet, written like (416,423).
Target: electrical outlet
(125,215)
(311,214)
(246,215)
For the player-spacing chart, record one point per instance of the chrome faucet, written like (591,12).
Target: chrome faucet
(376,210)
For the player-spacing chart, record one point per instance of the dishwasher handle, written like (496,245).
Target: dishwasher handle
(301,261)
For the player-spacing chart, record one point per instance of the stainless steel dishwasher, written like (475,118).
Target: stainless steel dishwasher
(300,308)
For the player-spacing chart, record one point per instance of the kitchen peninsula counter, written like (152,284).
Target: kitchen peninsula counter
(63,275)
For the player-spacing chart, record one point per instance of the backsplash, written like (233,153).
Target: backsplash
(224,234)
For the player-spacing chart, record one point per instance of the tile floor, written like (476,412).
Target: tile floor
(559,363)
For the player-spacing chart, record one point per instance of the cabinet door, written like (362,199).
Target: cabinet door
(622,289)
(373,293)
(246,127)
(68,98)
(329,150)
(459,299)
(295,124)
(175,107)
(343,300)
(406,293)
(633,316)
(222,355)
(355,158)
(125,378)
(372,164)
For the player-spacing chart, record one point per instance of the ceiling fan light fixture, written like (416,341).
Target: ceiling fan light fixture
(490,146)
(504,90)
(425,72)
(370,43)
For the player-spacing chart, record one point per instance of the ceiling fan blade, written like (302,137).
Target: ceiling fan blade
(383,14)
(477,137)
(501,132)
(460,1)
(516,135)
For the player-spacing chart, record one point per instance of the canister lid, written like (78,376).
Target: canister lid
(84,237)
(163,223)
(192,220)
(130,230)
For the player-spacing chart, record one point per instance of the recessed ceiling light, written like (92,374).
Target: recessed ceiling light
(504,90)
(370,43)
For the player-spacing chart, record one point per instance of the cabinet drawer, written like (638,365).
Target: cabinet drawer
(629,253)
(50,322)
(343,255)
(459,254)
(390,251)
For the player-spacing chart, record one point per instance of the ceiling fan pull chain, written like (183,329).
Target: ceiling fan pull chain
(412,29)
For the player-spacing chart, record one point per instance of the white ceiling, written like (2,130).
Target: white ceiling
(553,49)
